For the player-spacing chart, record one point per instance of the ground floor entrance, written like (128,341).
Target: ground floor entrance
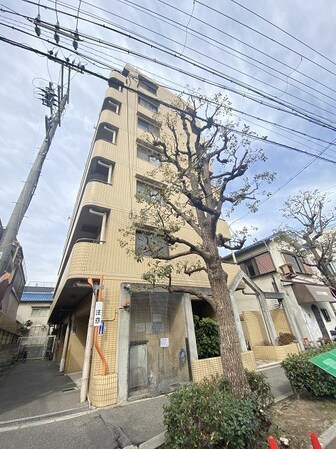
(158,354)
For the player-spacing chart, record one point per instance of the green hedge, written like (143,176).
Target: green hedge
(208,415)
(305,377)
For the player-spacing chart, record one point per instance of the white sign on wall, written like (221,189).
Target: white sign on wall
(164,342)
(98,313)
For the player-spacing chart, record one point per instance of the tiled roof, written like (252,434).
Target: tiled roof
(36,297)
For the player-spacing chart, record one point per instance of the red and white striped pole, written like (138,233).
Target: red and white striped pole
(272,443)
(315,442)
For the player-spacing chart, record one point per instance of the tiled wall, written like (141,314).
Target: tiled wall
(212,366)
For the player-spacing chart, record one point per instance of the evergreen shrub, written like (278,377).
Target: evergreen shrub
(306,377)
(208,415)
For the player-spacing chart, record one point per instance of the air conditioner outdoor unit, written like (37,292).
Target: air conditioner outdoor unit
(288,270)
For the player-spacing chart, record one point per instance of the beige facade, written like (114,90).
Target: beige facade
(147,345)
(306,307)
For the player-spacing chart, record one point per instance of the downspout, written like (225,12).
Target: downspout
(103,227)
(109,167)
(95,338)
(65,346)
(88,347)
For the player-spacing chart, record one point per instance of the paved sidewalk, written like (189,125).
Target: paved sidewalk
(36,388)
(37,401)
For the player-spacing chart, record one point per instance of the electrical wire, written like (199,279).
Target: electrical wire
(84,70)
(302,112)
(284,31)
(205,39)
(269,140)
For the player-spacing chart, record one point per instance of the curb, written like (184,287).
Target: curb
(153,443)
(328,438)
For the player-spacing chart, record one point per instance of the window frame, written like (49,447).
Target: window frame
(104,128)
(295,262)
(147,252)
(147,104)
(325,315)
(154,190)
(150,126)
(115,103)
(147,85)
(150,154)
(39,309)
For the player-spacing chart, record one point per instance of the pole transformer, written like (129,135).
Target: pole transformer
(8,241)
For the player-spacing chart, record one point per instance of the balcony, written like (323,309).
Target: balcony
(88,259)
(97,193)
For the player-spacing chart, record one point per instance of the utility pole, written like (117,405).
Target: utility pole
(56,103)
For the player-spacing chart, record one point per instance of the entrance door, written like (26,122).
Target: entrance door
(319,319)
(138,365)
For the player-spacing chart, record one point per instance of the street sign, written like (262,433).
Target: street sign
(98,313)
(101,328)
(326,361)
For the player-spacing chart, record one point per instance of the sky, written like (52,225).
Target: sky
(299,70)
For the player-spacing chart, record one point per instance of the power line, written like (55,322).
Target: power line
(283,31)
(201,53)
(170,20)
(293,108)
(285,184)
(109,68)
(82,69)
(261,34)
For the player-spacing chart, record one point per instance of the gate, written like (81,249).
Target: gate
(37,347)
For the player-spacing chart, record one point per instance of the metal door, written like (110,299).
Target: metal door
(137,366)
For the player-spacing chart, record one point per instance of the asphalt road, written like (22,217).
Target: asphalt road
(85,432)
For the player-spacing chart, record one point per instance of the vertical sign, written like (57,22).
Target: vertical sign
(101,328)
(98,313)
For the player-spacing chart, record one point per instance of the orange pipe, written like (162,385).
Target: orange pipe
(95,337)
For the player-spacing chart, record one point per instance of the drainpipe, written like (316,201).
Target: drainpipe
(109,167)
(103,227)
(88,347)
(65,346)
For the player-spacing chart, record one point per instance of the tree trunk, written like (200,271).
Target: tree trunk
(230,349)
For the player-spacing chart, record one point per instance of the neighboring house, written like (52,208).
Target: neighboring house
(11,288)
(147,341)
(307,302)
(35,307)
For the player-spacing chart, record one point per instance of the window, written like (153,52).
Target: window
(147,104)
(326,315)
(39,311)
(116,84)
(148,244)
(149,156)
(148,127)
(149,191)
(251,268)
(293,260)
(258,265)
(107,132)
(147,85)
(112,105)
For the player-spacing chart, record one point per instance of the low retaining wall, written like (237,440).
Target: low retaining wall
(212,366)
(276,353)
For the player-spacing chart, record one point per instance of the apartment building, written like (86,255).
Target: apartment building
(145,342)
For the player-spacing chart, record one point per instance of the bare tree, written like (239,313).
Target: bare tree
(203,169)
(313,239)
